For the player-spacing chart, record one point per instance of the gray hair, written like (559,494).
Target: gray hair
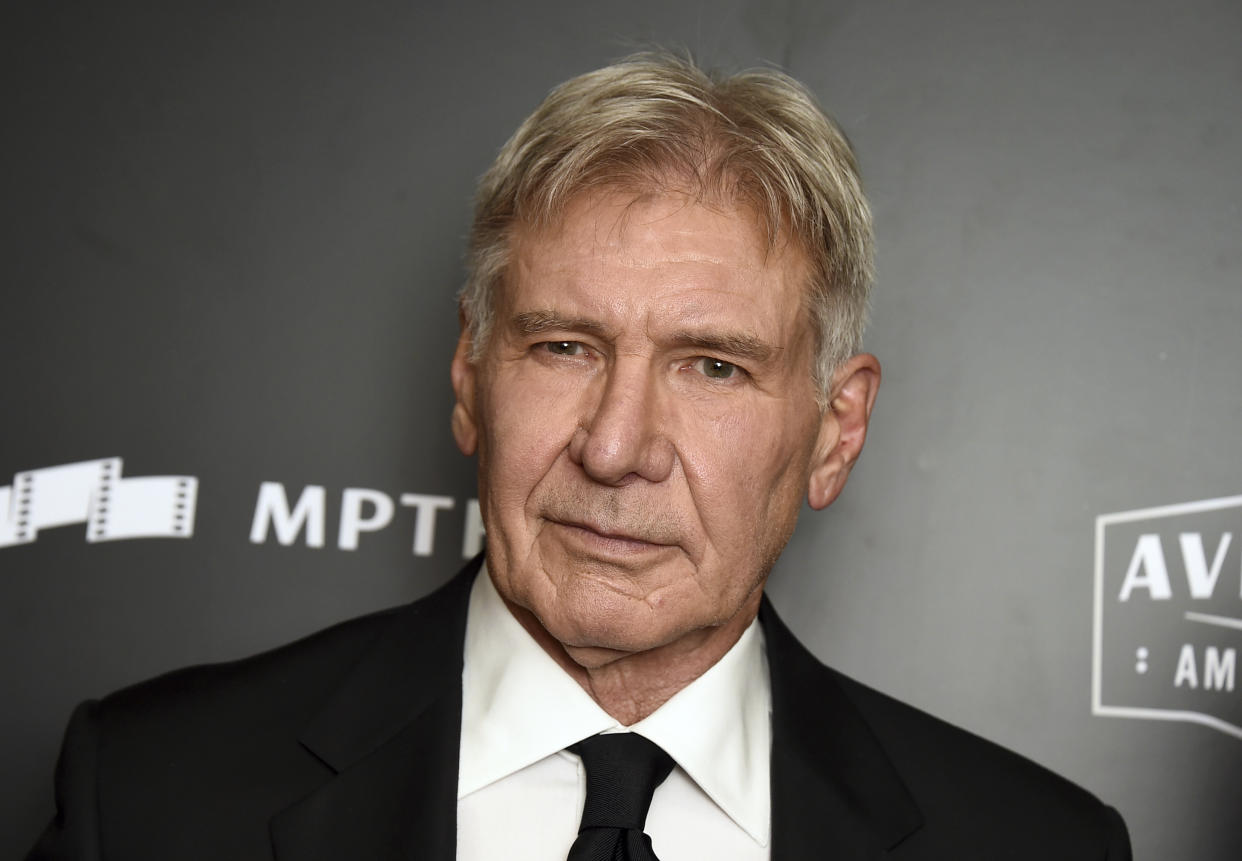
(655,121)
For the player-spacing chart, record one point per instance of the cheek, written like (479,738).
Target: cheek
(525,432)
(752,452)
(749,474)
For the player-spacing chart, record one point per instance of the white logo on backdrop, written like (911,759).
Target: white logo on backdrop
(163,506)
(363,510)
(93,492)
(1168,614)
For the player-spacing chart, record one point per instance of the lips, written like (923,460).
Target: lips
(612,524)
(635,537)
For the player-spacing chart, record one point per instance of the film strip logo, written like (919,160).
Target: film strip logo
(93,492)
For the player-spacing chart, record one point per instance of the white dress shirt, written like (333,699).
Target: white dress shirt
(520,794)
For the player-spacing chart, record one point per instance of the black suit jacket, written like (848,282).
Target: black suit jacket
(344,746)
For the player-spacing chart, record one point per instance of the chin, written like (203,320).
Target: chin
(606,621)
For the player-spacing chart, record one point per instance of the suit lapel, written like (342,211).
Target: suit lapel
(835,794)
(391,733)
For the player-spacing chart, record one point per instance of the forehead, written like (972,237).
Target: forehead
(665,249)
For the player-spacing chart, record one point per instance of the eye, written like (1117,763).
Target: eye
(716,369)
(563,348)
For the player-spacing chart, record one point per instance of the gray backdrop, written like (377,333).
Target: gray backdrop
(232,237)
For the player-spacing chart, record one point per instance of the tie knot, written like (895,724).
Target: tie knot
(622,772)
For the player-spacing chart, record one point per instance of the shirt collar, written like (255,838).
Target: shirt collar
(519,706)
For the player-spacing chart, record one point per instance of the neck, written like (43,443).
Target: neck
(629,686)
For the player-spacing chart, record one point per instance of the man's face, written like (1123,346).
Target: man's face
(645,419)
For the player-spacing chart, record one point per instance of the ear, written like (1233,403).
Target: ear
(843,428)
(463,373)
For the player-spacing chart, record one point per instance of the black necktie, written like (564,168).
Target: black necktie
(622,772)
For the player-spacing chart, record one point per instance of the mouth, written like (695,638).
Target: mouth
(608,540)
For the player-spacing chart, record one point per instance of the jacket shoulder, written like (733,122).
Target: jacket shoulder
(193,763)
(278,680)
(971,790)
(926,788)
(284,684)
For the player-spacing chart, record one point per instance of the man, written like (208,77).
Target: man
(659,360)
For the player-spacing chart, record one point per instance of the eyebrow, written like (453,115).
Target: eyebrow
(737,345)
(529,323)
(745,347)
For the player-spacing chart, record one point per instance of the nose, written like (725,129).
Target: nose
(622,435)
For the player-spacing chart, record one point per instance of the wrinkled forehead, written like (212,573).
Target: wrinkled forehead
(716,190)
(594,219)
